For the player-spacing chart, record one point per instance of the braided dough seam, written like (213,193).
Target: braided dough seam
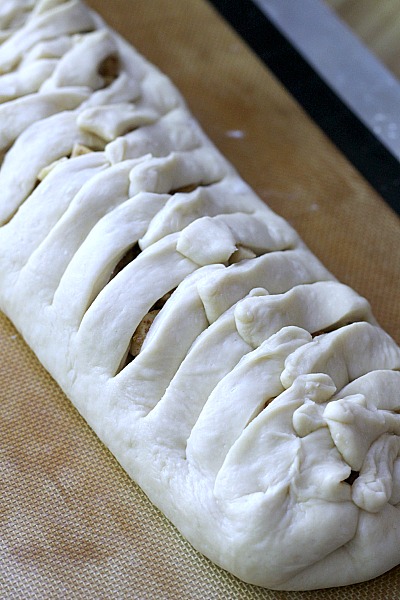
(252,396)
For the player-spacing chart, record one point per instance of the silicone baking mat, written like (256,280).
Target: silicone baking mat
(72,524)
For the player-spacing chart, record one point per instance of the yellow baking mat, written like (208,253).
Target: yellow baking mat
(72,524)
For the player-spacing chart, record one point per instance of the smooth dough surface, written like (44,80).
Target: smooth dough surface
(252,396)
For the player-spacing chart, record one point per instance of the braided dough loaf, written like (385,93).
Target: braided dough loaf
(251,395)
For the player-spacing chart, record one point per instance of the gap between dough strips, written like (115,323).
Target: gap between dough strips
(251,395)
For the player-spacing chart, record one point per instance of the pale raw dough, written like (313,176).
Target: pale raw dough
(261,413)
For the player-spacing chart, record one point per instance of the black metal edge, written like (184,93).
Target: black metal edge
(370,157)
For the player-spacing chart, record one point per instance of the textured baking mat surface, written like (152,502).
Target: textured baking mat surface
(72,524)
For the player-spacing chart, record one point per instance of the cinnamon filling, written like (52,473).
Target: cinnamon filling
(329,329)
(109,69)
(142,330)
(127,258)
(140,334)
(259,410)
(185,189)
(352,477)
(2,155)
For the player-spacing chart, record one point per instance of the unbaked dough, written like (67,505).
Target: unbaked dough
(257,405)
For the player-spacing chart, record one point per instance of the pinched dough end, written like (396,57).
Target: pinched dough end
(252,396)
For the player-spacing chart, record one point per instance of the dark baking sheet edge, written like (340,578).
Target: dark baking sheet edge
(368,155)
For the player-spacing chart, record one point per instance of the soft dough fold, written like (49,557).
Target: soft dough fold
(252,396)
